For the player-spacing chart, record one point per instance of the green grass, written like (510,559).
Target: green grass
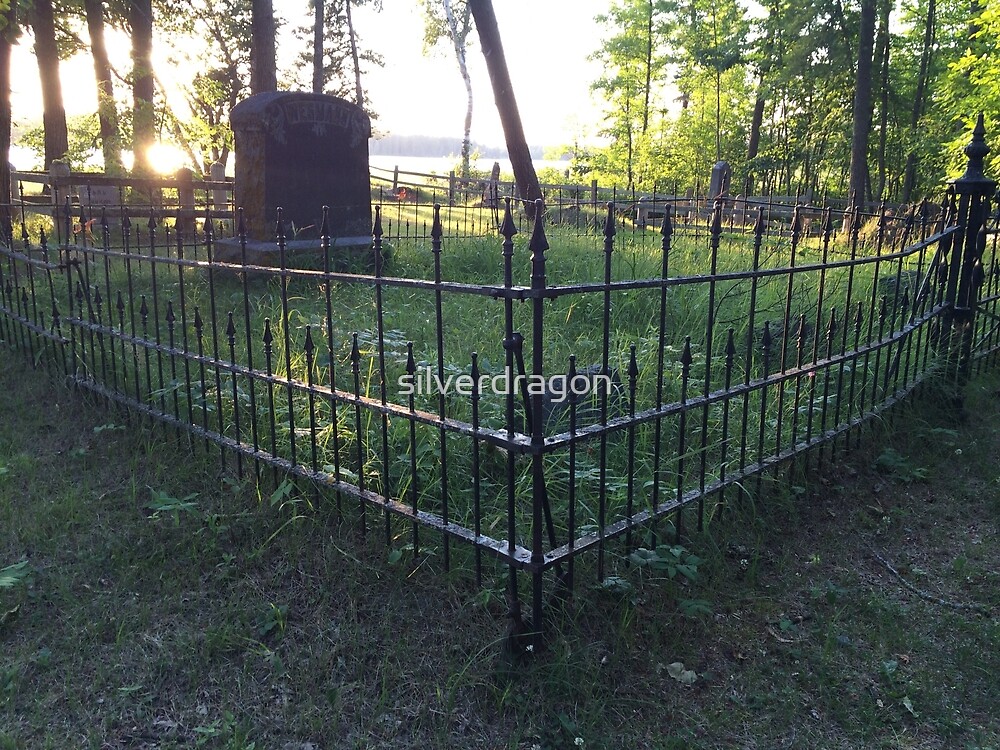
(168,606)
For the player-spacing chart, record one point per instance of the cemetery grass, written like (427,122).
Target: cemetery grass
(470,322)
(164,603)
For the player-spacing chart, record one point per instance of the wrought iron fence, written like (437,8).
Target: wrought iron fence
(508,406)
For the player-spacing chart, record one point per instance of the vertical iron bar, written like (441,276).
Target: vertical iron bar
(476,473)
(213,322)
(442,414)
(666,235)
(252,380)
(539,500)
(507,230)
(286,326)
(602,488)
(359,434)
(686,360)
(231,338)
(715,236)
(328,294)
(411,370)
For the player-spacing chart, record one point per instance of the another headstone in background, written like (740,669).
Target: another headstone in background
(220,198)
(491,192)
(718,187)
(99,196)
(301,151)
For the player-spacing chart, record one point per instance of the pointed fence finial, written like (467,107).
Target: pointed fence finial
(437,232)
(411,364)
(538,245)
(324,229)
(279,230)
(377,225)
(667,226)
(475,370)
(977,151)
(309,347)
(355,352)
(609,223)
(507,227)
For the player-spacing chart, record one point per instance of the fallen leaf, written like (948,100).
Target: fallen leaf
(682,675)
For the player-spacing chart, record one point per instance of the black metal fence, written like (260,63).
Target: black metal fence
(506,406)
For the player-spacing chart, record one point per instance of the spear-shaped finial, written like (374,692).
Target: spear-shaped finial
(976,151)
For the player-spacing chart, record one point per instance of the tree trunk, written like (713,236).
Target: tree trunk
(649,67)
(862,114)
(47,56)
(503,93)
(753,142)
(910,172)
(107,112)
(263,70)
(463,67)
(143,113)
(318,47)
(883,113)
(7,32)
(359,92)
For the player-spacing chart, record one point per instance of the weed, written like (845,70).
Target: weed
(14,574)
(162,503)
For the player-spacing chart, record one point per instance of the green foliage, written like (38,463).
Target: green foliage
(669,559)
(14,574)
(683,79)
(162,504)
(338,65)
(84,139)
(892,462)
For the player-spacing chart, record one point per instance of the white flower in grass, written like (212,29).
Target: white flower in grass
(578,742)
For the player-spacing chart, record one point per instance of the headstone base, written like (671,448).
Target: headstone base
(346,253)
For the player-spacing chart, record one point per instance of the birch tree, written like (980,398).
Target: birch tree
(452,19)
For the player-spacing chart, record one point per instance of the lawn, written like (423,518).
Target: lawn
(163,604)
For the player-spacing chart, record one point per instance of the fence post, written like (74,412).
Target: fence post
(220,198)
(60,192)
(539,498)
(185,202)
(965,275)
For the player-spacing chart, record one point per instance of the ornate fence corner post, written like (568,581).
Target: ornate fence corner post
(974,191)
(537,245)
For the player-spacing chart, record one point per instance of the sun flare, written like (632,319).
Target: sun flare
(166,159)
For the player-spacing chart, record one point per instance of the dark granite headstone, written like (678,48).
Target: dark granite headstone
(300,152)
(719,185)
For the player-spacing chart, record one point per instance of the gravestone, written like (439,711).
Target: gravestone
(99,196)
(301,151)
(718,187)
(217,173)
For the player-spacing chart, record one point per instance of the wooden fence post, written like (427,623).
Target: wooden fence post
(60,191)
(220,197)
(185,202)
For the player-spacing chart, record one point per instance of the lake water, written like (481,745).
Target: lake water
(25,159)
